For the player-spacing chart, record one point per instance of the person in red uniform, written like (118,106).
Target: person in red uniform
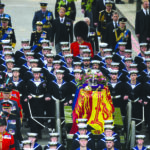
(81,33)
(14,96)
(6,139)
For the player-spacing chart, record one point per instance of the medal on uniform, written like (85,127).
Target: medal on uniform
(47,17)
(68,23)
(11,131)
(43,36)
(44,85)
(1,34)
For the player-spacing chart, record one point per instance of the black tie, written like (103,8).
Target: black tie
(146,12)
(116,25)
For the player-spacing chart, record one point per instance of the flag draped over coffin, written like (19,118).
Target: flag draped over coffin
(96,106)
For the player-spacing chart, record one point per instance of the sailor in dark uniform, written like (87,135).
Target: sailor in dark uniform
(45,16)
(64,51)
(100,54)
(20,53)
(114,89)
(82,131)
(41,55)
(128,53)
(33,138)
(8,55)
(147,62)
(54,138)
(108,61)
(95,64)
(64,44)
(27,66)
(69,62)
(37,94)
(49,58)
(2,14)
(53,145)
(9,65)
(43,43)
(38,35)
(26,144)
(83,142)
(135,97)
(127,62)
(19,85)
(110,143)
(59,91)
(74,83)
(147,54)
(21,56)
(86,63)
(139,143)
(57,64)
(108,132)
(143,49)
(121,49)
(86,53)
(105,52)
(77,65)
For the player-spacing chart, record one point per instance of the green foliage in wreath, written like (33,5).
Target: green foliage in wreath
(88,6)
(61,3)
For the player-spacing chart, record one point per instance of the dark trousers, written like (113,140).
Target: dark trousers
(37,110)
(137,114)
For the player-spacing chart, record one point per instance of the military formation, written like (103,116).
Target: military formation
(34,78)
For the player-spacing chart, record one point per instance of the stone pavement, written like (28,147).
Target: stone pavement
(22,12)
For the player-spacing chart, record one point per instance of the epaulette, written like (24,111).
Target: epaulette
(44,31)
(33,31)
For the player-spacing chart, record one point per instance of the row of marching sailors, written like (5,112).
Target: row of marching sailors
(82,139)
(108,140)
(31,142)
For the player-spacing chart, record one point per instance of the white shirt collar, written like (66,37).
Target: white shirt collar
(62,18)
(144,10)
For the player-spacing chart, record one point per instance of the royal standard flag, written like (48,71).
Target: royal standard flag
(96,106)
